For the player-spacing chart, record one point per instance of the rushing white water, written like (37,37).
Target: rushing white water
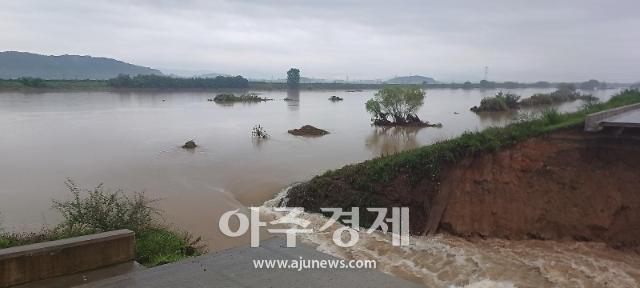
(448,261)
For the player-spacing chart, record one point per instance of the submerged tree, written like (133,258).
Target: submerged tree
(259,132)
(293,77)
(399,103)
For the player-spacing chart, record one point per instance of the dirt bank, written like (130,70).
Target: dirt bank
(565,185)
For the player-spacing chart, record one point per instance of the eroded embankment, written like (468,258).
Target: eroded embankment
(564,185)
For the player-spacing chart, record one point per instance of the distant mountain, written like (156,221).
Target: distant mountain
(415,79)
(186,73)
(21,64)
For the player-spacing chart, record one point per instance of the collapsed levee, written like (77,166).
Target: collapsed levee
(565,185)
(524,181)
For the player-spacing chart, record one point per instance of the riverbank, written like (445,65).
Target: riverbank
(102,85)
(502,182)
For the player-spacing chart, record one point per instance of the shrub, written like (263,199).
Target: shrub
(259,132)
(105,210)
(551,116)
(500,102)
(251,97)
(511,100)
(564,93)
(160,246)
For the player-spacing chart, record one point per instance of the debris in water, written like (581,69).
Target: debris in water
(190,145)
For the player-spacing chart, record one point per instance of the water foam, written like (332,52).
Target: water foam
(448,261)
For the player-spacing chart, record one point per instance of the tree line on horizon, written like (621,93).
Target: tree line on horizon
(167,82)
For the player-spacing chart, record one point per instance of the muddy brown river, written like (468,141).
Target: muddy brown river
(132,141)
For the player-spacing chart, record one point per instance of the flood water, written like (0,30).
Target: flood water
(131,141)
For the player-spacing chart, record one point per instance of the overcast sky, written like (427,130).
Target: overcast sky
(571,40)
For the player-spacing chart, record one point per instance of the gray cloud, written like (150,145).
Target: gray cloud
(449,40)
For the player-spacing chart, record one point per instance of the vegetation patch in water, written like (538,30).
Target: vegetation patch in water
(503,102)
(230,98)
(565,93)
(499,103)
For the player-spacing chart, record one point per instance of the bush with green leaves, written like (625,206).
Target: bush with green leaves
(498,103)
(399,103)
(564,93)
(100,209)
(250,97)
(551,116)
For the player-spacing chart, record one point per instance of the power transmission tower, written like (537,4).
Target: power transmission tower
(486,73)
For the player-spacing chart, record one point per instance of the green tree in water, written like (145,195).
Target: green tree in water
(400,103)
(293,77)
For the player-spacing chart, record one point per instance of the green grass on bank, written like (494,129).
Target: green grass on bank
(428,161)
(99,210)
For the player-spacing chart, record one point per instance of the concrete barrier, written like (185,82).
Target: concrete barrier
(39,261)
(592,121)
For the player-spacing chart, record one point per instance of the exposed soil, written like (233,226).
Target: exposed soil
(566,185)
(308,130)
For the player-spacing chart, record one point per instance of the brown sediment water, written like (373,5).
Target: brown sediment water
(132,141)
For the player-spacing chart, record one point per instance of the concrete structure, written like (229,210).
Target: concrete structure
(45,260)
(235,268)
(84,277)
(621,117)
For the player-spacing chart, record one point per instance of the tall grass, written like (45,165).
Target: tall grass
(100,209)
(550,116)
